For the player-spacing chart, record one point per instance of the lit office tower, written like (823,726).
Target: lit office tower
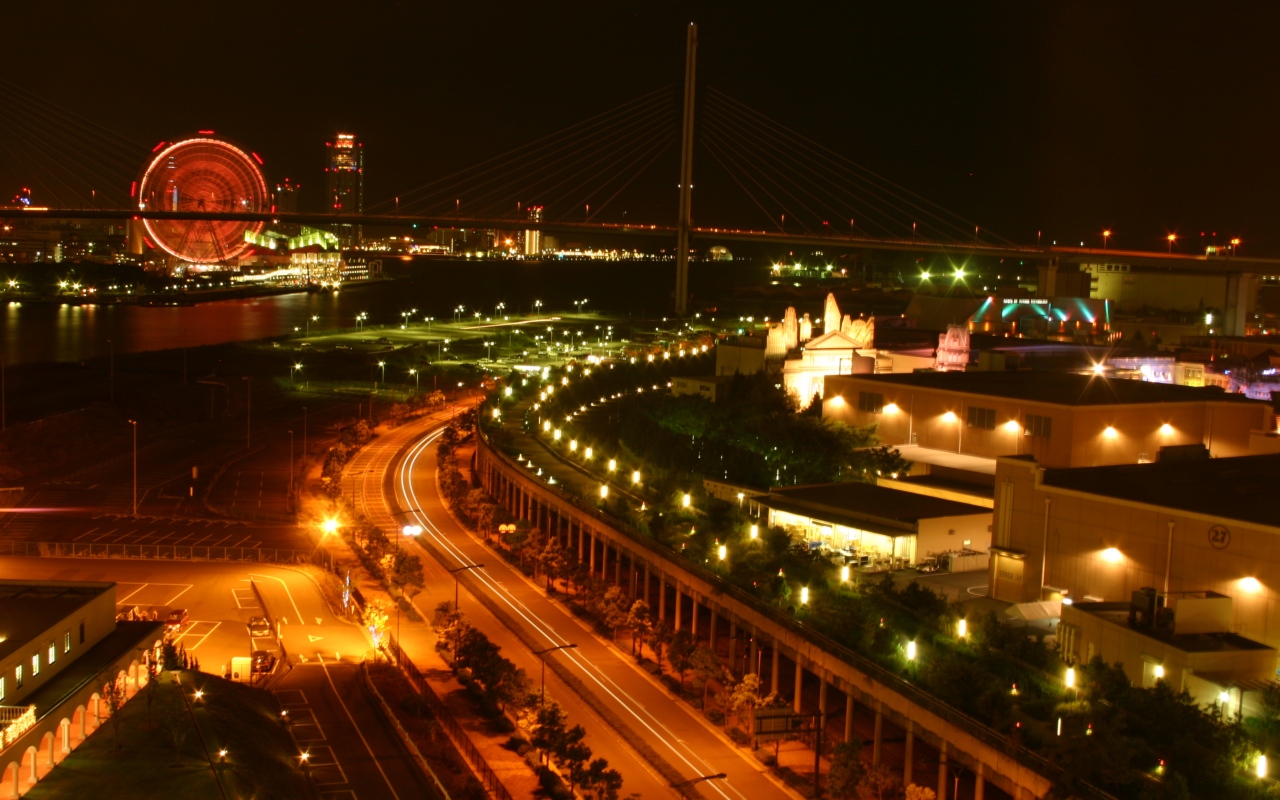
(533,238)
(345,174)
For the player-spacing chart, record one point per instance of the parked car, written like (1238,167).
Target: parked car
(383,340)
(176,619)
(259,626)
(263,661)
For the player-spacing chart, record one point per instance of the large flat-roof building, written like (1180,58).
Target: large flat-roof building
(878,526)
(1192,547)
(60,645)
(1063,420)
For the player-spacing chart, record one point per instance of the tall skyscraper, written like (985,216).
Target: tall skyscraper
(345,175)
(533,237)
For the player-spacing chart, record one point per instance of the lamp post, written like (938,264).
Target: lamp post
(1105,236)
(360,318)
(292,369)
(311,319)
(290,504)
(454,572)
(540,653)
(488,350)
(497,310)
(382,365)
(134,424)
(414,373)
(537,307)
(248,412)
(719,776)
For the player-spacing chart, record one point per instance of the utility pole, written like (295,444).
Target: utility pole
(134,424)
(248,413)
(686,175)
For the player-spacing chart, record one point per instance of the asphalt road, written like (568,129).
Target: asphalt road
(352,752)
(675,731)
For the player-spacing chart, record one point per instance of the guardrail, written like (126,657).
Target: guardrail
(160,552)
(978,729)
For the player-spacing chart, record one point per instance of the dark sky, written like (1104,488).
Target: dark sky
(1063,117)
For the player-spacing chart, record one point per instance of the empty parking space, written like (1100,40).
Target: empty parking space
(195,633)
(245,598)
(150,595)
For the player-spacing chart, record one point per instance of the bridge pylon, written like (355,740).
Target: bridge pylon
(686,175)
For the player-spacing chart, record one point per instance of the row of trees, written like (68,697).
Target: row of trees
(501,687)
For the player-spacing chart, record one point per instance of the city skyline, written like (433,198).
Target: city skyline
(1064,122)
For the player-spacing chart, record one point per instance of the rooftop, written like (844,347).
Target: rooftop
(1117,613)
(865,506)
(1056,388)
(1242,488)
(28,608)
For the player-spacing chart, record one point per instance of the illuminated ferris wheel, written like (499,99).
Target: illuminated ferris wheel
(202,174)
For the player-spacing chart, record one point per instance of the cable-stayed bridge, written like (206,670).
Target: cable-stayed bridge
(757,181)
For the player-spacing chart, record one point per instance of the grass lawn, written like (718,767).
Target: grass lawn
(160,753)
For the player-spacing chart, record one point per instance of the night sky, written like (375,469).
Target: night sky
(1061,117)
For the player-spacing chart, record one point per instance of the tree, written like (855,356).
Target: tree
(552,560)
(746,695)
(604,783)
(658,638)
(153,683)
(548,730)
(681,652)
(613,609)
(375,620)
(880,783)
(919,793)
(115,694)
(639,621)
(404,571)
(705,665)
(174,720)
(846,770)
(573,754)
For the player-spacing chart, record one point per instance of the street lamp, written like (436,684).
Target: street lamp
(415,375)
(537,306)
(1105,236)
(134,424)
(719,776)
(497,310)
(1171,238)
(489,350)
(292,369)
(382,365)
(360,318)
(311,319)
(540,653)
(454,572)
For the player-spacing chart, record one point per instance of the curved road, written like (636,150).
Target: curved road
(678,733)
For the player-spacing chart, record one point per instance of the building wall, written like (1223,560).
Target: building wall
(99,618)
(943,534)
(1078,437)
(731,358)
(1140,654)
(1243,564)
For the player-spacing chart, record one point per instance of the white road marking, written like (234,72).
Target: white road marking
(377,763)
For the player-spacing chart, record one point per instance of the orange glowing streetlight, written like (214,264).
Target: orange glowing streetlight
(1235,246)
(1105,236)
(1171,238)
